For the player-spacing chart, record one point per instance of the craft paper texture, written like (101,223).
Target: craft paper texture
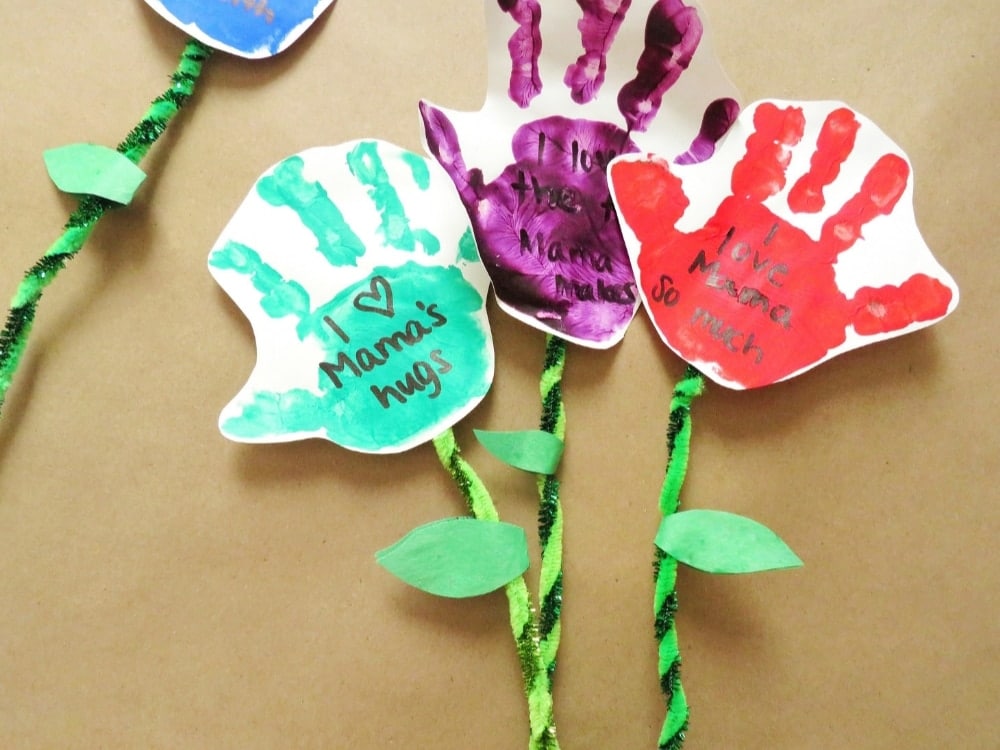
(164,587)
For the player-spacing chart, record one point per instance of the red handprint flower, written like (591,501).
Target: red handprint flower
(753,288)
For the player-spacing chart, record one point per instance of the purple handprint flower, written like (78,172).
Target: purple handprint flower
(546,225)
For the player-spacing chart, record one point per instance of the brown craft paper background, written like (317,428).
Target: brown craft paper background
(161,587)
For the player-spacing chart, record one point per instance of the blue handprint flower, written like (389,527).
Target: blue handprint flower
(371,330)
(544,222)
(248,28)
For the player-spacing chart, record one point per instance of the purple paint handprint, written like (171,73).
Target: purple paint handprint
(544,222)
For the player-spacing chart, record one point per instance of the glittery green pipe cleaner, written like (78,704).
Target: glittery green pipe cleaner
(665,566)
(21,316)
(550,519)
(522,617)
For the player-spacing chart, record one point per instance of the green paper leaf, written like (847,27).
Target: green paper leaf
(89,169)
(718,542)
(530,450)
(458,557)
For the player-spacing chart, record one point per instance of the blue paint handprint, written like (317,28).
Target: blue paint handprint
(544,222)
(371,332)
(249,28)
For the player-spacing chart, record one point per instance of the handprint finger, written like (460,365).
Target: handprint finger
(598,27)
(881,189)
(919,299)
(834,145)
(366,165)
(715,123)
(673,32)
(761,172)
(288,187)
(442,142)
(525,47)
(281,297)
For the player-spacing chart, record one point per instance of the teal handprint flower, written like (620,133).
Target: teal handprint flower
(371,330)
(105,179)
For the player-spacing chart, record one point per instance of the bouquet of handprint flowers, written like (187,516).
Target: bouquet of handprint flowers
(760,244)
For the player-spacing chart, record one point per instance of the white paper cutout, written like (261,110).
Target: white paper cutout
(357,269)
(817,253)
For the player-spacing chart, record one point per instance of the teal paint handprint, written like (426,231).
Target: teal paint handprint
(371,331)
(286,186)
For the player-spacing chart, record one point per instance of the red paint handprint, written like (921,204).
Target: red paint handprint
(744,274)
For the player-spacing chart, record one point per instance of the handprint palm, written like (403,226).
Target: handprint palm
(371,331)
(545,225)
(750,295)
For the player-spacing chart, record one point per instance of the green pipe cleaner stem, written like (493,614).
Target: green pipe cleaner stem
(550,517)
(23,306)
(675,725)
(537,688)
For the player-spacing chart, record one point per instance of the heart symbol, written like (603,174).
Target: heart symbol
(380,298)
